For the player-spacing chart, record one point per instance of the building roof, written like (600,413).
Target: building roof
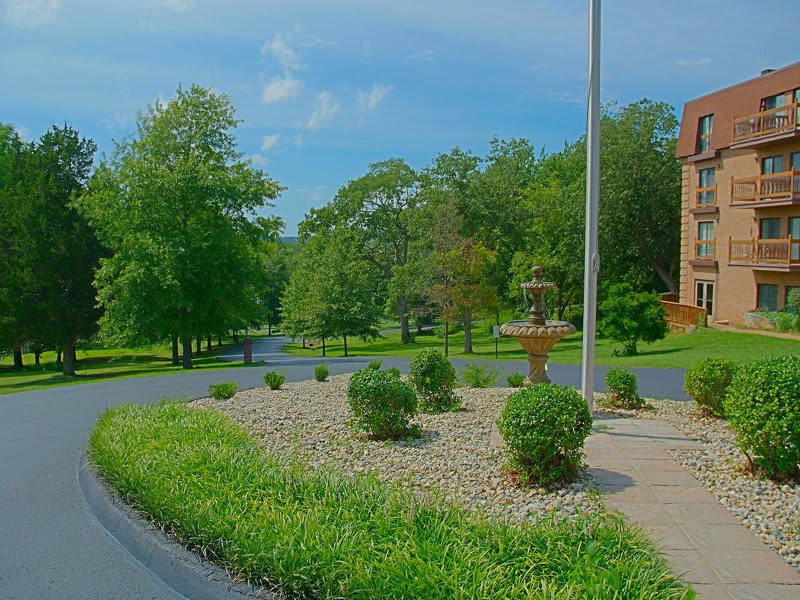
(726,104)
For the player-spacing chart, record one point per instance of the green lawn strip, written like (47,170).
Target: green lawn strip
(103,364)
(676,350)
(321,534)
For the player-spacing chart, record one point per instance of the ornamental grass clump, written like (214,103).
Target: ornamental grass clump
(321,372)
(382,404)
(433,377)
(544,427)
(708,381)
(763,407)
(516,380)
(480,375)
(223,390)
(622,389)
(274,379)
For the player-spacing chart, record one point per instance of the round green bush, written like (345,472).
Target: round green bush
(763,407)
(433,377)
(544,427)
(707,382)
(622,388)
(382,404)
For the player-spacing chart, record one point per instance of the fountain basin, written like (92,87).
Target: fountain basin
(537,341)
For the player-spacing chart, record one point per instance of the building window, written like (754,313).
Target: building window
(767,297)
(772,164)
(794,233)
(770,229)
(706,129)
(704,296)
(705,240)
(707,189)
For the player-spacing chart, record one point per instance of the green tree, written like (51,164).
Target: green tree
(173,204)
(275,259)
(629,317)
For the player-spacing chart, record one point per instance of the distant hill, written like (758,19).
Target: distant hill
(289,239)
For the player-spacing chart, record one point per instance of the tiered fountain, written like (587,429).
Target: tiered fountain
(537,335)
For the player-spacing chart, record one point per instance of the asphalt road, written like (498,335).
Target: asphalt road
(50,544)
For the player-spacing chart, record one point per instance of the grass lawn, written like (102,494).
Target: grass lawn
(319,534)
(99,364)
(676,350)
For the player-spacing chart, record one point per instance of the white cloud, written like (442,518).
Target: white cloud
(325,108)
(178,6)
(421,56)
(259,160)
(370,100)
(312,41)
(280,89)
(298,140)
(693,63)
(270,141)
(280,50)
(30,13)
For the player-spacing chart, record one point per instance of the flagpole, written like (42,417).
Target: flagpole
(592,257)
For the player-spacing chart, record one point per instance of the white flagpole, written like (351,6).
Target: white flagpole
(592,258)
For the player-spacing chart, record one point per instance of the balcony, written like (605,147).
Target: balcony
(765,255)
(777,189)
(766,125)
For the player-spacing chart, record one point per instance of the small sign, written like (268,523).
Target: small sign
(496,331)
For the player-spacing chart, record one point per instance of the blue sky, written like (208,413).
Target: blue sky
(325,88)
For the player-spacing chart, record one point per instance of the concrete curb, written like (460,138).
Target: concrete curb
(183,571)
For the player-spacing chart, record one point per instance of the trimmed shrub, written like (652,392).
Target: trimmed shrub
(480,375)
(382,404)
(223,390)
(433,377)
(516,380)
(321,372)
(629,317)
(622,385)
(707,382)
(763,407)
(274,379)
(544,427)
(375,364)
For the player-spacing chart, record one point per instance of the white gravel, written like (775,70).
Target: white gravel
(308,421)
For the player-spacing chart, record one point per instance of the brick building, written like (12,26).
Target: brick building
(740,240)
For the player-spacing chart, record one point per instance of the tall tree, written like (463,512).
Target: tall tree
(173,204)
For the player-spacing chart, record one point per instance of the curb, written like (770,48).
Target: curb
(184,572)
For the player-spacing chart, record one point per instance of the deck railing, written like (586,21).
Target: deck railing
(785,184)
(705,249)
(765,122)
(769,252)
(684,314)
(706,196)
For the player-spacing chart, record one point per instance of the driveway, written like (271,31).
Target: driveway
(52,547)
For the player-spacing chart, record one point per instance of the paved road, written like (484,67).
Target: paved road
(52,547)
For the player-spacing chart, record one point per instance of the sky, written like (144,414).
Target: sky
(325,88)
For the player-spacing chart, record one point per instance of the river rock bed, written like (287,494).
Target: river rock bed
(770,510)
(308,421)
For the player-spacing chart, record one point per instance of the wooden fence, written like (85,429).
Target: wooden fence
(684,315)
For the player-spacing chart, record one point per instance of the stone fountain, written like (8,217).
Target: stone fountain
(537,335)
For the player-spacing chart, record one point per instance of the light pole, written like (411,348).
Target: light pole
(592,257)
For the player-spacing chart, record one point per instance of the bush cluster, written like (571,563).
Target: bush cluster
(516,380)
(274,379)
(223,390)
(480,375)
(622,389)
(544,427)
(321,372)
(707,382)
(763,407)
(382,404)
(433,377)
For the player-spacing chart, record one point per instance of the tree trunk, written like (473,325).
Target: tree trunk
(18,359)
(323,347)
(402,313)
(175,356)
(69,359)
(187,352)
(58,357)
(208,343)
(446,338)
(269,328)
(235,337)
(37,358)
(199,345)
(219,340)
(468,333)
(345,344)
(304,342)
(419,328)
(74,354)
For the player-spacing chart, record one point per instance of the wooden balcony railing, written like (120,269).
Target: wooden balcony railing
(705,249)
(684,314)
(768,252)
(765,122)
(766,187)
(706,196)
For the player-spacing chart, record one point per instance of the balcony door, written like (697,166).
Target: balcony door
(770,229)
(772,164)
(704,296)
(794,233)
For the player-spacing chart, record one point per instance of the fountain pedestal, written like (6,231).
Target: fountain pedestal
(537,335)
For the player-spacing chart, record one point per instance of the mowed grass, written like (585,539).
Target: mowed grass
(678,350)
(102,364)
(319,534)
